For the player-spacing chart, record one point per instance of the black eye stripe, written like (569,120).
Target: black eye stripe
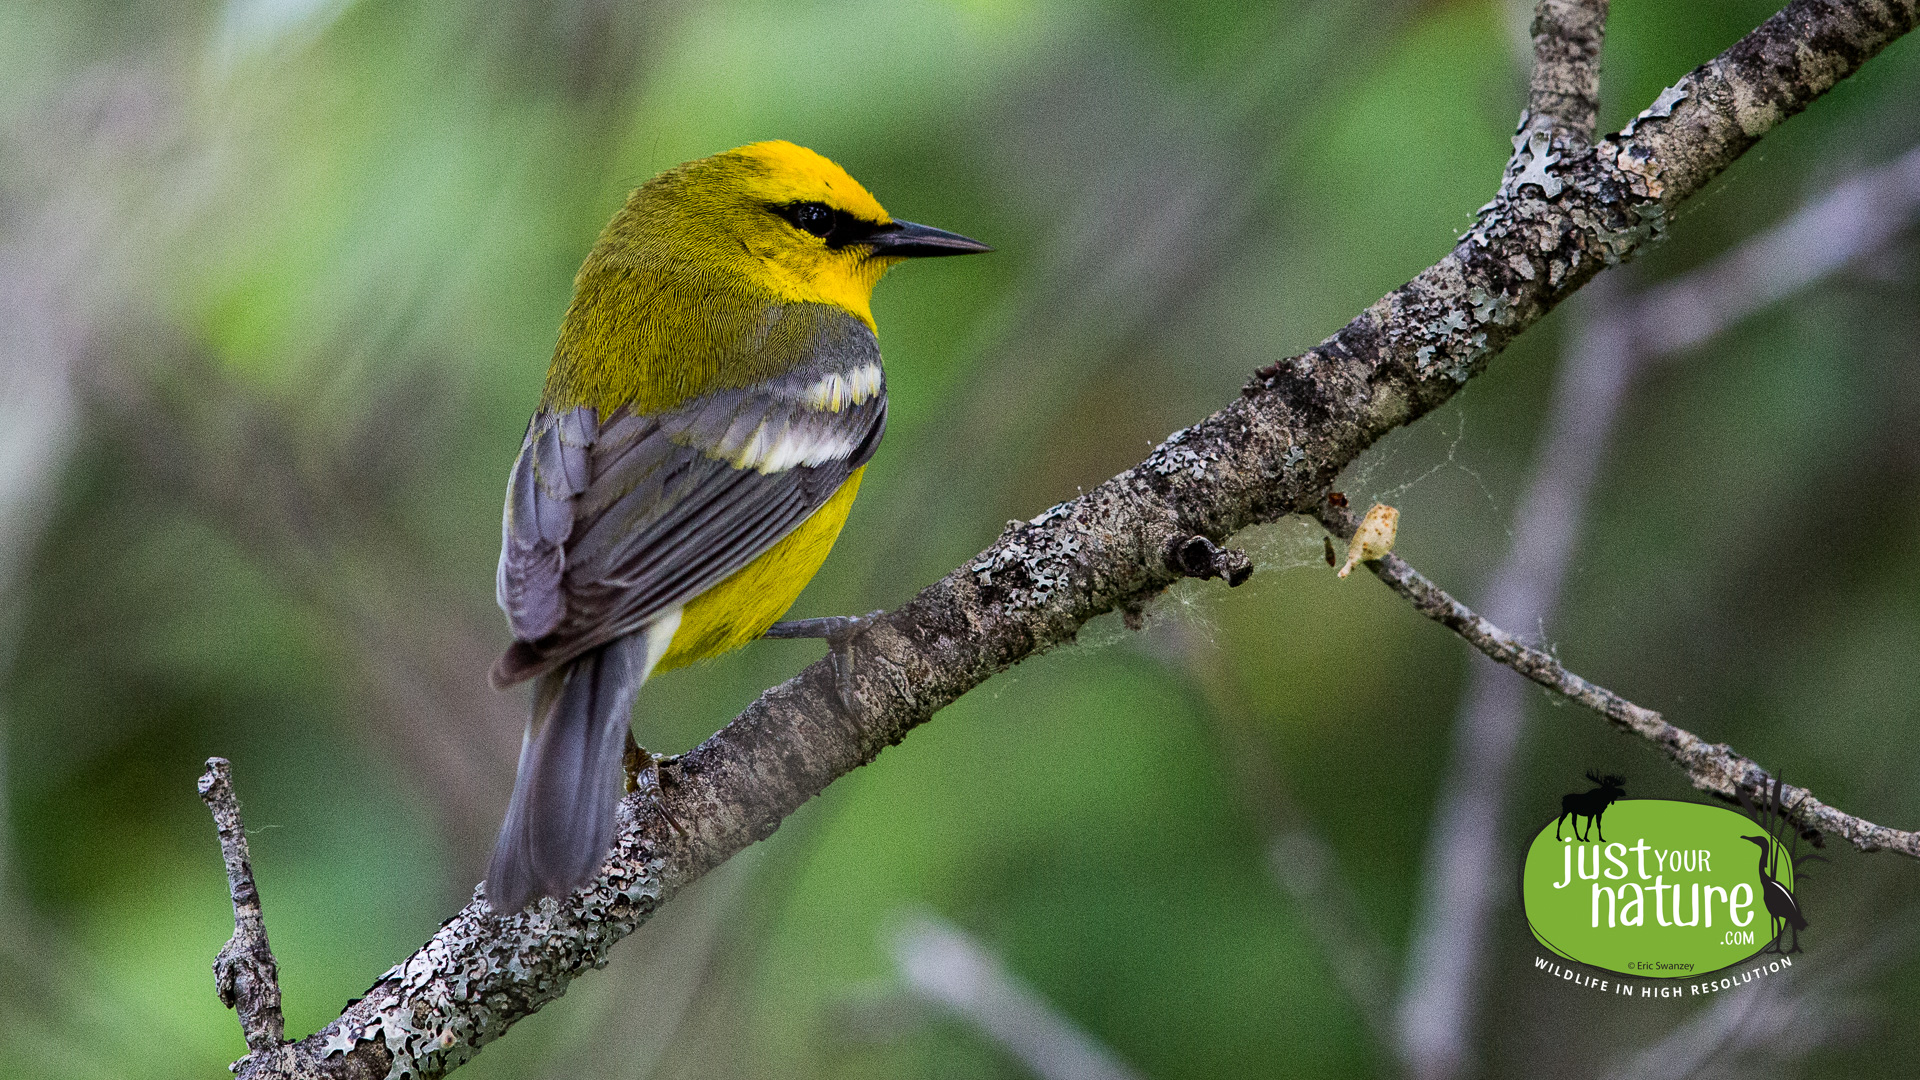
(837,227)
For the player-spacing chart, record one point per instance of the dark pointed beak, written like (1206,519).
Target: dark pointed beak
(905,240)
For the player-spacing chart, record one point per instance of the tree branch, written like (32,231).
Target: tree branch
(244,972)
(1711,767)
(1265,455)
(1565,89)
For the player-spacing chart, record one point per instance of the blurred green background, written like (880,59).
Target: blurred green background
(280,279)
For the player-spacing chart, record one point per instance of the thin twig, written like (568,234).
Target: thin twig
(1304,865)
(1780,1022)
(245,972)
(1848,222)
(63,269)
(943,965)
(1711,767)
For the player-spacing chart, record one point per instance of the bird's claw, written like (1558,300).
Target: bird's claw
(642,769)
(837,631)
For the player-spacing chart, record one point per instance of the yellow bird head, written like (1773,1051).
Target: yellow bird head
(774,217)
(675,295)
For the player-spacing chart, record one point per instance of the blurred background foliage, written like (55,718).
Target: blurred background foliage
(280,279)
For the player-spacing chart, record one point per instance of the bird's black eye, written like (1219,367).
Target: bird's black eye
(837,227)
(814,218)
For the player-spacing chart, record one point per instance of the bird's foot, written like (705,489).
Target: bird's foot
(642,769)
(837,630)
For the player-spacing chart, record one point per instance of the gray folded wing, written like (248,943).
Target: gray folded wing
(611,521)
(552,469)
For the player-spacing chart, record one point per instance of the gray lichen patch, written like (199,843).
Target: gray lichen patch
(1489,307)
(1027,566)
(1175,458)
(481,972)
(1539,161)
(1662,107)
(1051,514)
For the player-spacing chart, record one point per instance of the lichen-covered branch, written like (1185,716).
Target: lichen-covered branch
(1550,228)
(1711,767)
(244,972)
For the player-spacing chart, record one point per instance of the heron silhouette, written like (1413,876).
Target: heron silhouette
(1785,911)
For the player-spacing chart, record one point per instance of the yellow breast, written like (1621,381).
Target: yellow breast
(741,607)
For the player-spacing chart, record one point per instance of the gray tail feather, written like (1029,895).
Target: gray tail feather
(559,825)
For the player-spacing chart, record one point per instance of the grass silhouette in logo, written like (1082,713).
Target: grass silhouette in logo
(1590,805)
(1782,906)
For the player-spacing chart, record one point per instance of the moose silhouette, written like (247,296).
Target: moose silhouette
(1590,805)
